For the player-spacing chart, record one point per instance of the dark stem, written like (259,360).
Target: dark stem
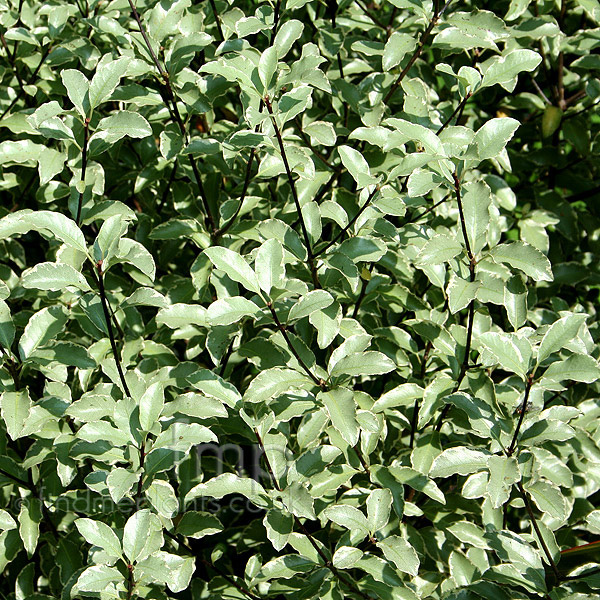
(361,295)
(523,410)
(218,23)
(537,531)
(276,16)
(288,341)
(136,16)
(225,576)
(86,130)
(111,334)
(424,37)
(370,15)
(167,188)
(311,257)
(226,359)
(457,110)
(350,223)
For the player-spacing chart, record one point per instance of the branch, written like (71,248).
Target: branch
(283,331)
(457,110)
(86,131)
(109,328)
(424,37)
(216,15)
(311,256)
(523,410)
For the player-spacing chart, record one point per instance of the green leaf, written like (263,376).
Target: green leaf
(309,303)
(357,166)
(341,408)
(269,265)
(226,484)
(98,579)
(348,517)
(30,517)
(363,363)
(288,33)
(460,292)
(99,534)
(439,249)
(142,535)
(513,354)
(515,301)
(578,367)
(459,459)
(197,525)
(7,327)
(559,334)
(41,328)
(379,505)
(77,89)
(504,472)
(267,66)
(54,277)
(504,70)
(119,482)
(105,80)
(279,526)
(151,405)
(181,315)
(524,257)
(234,266)
(397,550)
(396,48)
(15,408)
(175,571)
(230,310)
(123,123)
(493,136)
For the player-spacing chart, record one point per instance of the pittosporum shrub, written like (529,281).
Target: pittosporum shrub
(299,299)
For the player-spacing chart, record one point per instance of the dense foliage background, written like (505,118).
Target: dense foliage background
(299,299)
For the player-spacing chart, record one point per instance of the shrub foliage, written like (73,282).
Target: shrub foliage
(298,299)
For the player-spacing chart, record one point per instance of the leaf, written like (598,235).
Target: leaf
(439,249)
(123,123)
(7,327)
(363,363)
(142,535)
(524,257)
(77,89)
(234,266)
(279,526)
(505,69)
(196,524)
(515,301)
(357,166)
(379,504)
(119,482)
(55,225)
(230,310)
(54,277)
(98,578)
(269,265)
(15,410)
(559,334)
(511,357)
(226,484)
(459,459)
(341,408)
(267,66)
(175,571)
(504,472)
(348,517)
(30,517)
(41,328)
(181,315)
(288,33)
(396,48)
(272,383)
(460,292)
(309,303)
(492,137)
(578,367)
(99,534)
(151,405)
(105,80)
(401,553)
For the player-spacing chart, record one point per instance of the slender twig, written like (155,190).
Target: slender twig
(370,15)
(322,555)
(13,368)
(457,110)
(471,310)
(233,582)
(307,141)
(86,131)
(424,37)
(218,23)
(109,328)
(362,460)
(350,223)
(583,195)
(17,480)
(309,251)
(361,294)
(167,188)
(170,101)
(276,16)
(416,218)
(545,548)
(29,82)
(539,90)
(225,359)
(522,411)
(293,350)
